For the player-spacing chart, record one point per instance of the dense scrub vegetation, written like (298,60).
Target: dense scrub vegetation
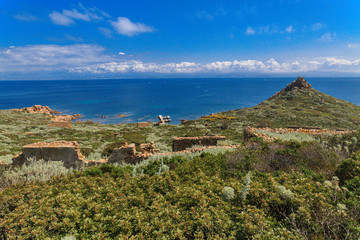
(260,191)
(298,187)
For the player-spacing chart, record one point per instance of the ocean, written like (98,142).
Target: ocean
(144,99)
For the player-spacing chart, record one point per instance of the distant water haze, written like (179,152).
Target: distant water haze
(144,99)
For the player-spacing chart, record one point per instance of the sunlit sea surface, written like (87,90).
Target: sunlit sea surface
(144,99)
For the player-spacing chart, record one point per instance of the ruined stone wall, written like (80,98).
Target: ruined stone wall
(66,152)
(148,148)
(255,132)
(182,143)
(126,153)
(143,124)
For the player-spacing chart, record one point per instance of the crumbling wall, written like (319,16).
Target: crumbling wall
(182,143)
(148,148)
(66,152)
(126,153)
(143,124)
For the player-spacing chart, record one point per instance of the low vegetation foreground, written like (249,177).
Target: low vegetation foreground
(288,168)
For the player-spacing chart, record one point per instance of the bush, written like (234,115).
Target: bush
(86,151)
(34,171)
(110,147)
(280,156)
(110,169)
(348,169)
(228,193)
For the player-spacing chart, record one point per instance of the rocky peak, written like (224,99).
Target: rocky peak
(299,83)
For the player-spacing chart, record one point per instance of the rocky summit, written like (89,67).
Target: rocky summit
(299,83)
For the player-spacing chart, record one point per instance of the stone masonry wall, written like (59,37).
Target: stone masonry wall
(66,152)
(126,153)
(182,143)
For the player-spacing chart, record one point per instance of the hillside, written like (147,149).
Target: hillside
(282,189)
(298,104)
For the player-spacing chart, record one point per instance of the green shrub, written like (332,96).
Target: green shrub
(86,151)
(245,190)
(348,169)
(110,147)
(228,193)
(279,156)
(112,170)
(285,193)
(34,171)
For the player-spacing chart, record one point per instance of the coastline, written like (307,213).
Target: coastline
(145,99)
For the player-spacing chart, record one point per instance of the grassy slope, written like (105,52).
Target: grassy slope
(301,107)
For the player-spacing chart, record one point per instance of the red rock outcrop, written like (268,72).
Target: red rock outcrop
(63,121)
(299,83)
(65,118)
(57,120)
(38,109)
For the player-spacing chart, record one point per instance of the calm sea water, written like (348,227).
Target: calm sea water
(145,99)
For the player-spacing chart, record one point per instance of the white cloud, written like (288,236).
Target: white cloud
(327,37)
(50,57)
(90,59)
(353,45)
(289,29)
(204,15)
(236,66)
(67,17)
(210,15)
(317,26)
(250,31)
(124,26)
(60,19)
(269,29)
(26,17)
(106,32)
(74,14)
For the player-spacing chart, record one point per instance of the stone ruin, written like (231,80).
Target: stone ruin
(250,132)
(143,124)
(148,148)
(63,121)
(66,152)
(182,143)
(128,154)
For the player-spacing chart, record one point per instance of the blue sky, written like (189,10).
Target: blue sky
(119,39)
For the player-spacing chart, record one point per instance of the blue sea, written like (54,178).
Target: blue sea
(144,99)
